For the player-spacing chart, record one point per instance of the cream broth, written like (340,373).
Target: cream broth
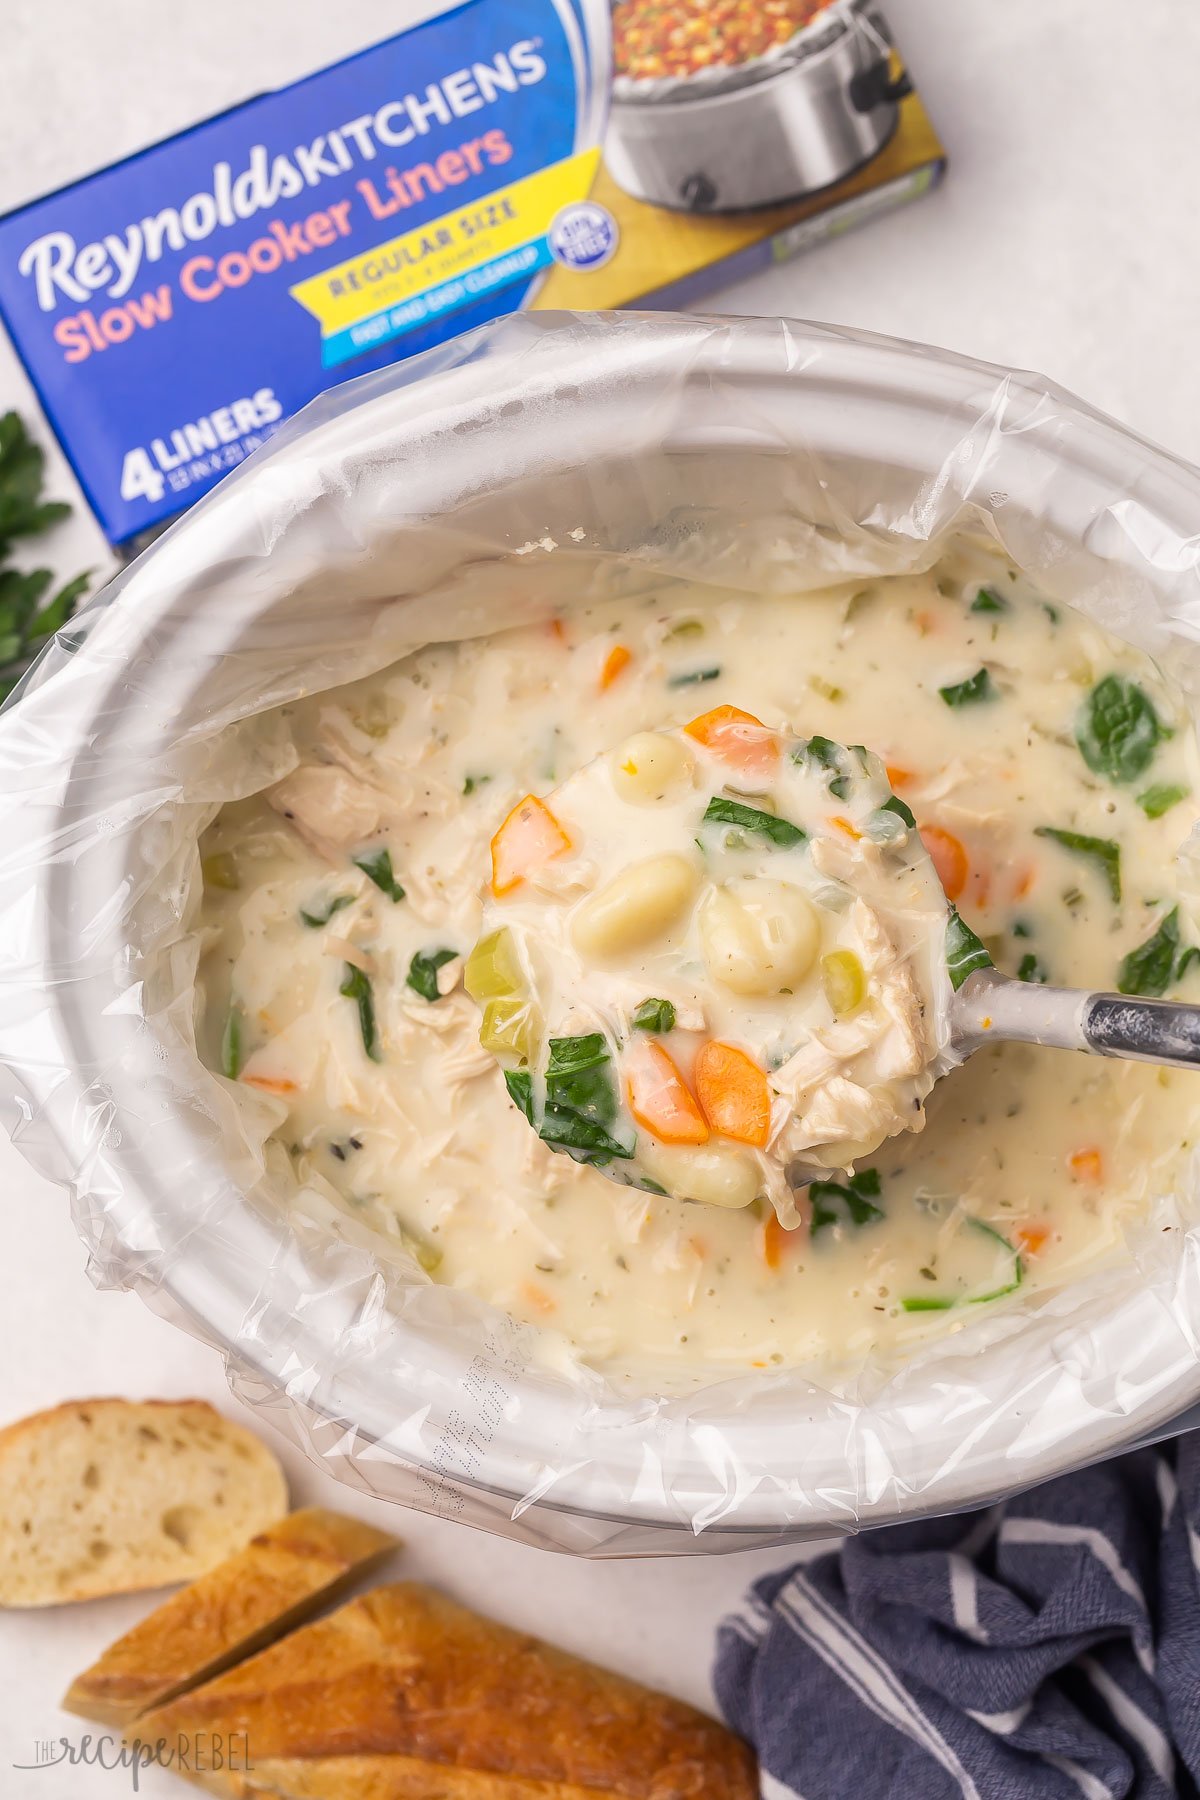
(340,905)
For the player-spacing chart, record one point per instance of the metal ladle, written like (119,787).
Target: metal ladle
(991,1008)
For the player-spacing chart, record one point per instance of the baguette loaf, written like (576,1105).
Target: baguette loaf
(108,1496)
(404,1695)
(253,1597)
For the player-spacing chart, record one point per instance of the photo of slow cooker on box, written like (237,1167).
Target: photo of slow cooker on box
(737,106)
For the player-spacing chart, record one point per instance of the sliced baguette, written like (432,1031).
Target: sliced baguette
(403,1695)
(109,1496)
(280,1578)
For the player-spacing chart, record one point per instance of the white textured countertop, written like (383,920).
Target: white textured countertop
(1062,241)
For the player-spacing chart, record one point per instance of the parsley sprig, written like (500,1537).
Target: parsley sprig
(30,613)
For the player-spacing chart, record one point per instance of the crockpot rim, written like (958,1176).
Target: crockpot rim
(749,1520)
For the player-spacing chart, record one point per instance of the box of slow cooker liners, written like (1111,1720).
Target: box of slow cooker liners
(171,310)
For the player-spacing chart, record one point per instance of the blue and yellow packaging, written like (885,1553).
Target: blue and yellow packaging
(171,310)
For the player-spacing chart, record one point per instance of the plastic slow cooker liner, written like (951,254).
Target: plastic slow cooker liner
(531,466)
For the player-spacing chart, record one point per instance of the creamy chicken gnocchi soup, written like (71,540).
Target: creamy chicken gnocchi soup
(1051,772)
(715,961)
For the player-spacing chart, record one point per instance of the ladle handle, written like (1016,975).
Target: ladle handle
(1157,1031)
(991,1007)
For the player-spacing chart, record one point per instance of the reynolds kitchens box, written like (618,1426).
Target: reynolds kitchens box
(173,308)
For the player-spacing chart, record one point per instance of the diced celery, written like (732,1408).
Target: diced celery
(427,1255)
(220,871)
(508,1027)
(844,982)
(493,968)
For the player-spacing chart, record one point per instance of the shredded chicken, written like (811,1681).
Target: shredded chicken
(842,1112)
(903,1049)
(332,811)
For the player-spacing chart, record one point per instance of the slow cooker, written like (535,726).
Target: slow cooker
(771,129)
(532,466)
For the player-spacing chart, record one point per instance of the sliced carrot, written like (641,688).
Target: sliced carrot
(1025,881)
(738,738)
(558,630)
(733,1093)
(949,858)
(530,837)
(777,1238)
(659,1097)
(1032,1238)
(898,777)
(979,889)
(924,622)
(270,1084)
(537,1297)
(618,658)
(844,825)
(1088,1165)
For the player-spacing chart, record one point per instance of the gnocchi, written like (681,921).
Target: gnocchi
(713,1175)
(650,766)
(635,907)
(759,936)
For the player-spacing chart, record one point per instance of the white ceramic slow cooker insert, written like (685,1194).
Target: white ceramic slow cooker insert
(503,476)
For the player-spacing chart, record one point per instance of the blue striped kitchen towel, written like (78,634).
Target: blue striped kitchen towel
(1046,1649)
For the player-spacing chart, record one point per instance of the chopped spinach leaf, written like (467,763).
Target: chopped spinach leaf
(1031,969)
(575,1055)
(376,865)
(232,1053)
(856,1197)
(1101,850)
(1147,970)
(1018,1266)
(582,1138)
(1158,800)
(901,809)
(519,1083)
(581,1100)
(357,987)
(966,693)
(721,811)
(1021,928)
(827,755)
(964,952)
(1186,959)
(422,972)
(1051,612)
(692,678)
(987,600)
(314,920)
(654,1015)
(1118,730)
(920,1303)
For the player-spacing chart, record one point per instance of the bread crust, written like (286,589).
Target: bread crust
(274,1584)
(406,1690)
